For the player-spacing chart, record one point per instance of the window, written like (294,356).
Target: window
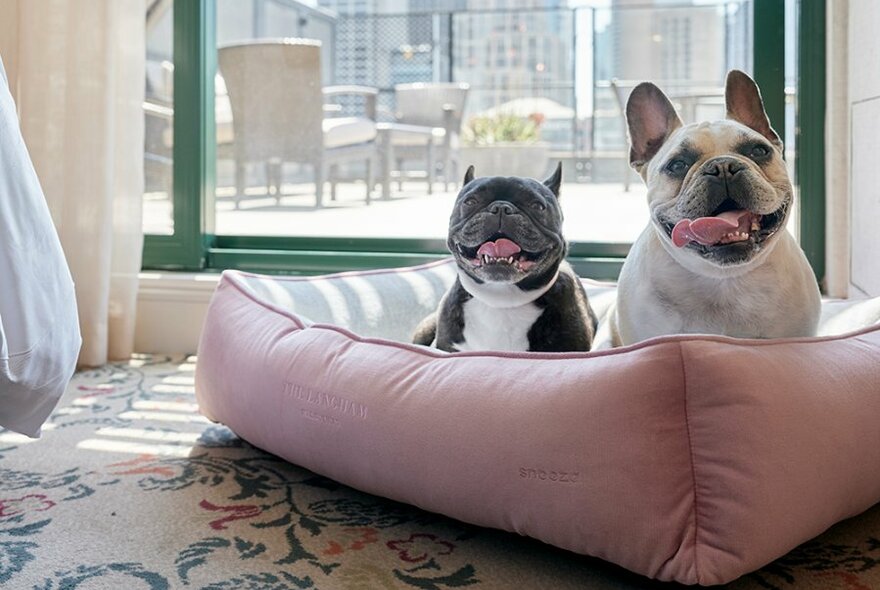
(244,190)
(158,121)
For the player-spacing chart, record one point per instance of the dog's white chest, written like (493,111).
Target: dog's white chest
(493,328)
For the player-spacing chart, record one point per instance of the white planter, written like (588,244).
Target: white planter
(508,159)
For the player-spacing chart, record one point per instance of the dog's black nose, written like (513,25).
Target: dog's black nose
(723,167)
(499,207)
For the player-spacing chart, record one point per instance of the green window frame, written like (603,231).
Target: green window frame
(193,246)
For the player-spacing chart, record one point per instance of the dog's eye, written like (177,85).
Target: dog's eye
(470,201)
(538,206)
(759,151)
(677,166)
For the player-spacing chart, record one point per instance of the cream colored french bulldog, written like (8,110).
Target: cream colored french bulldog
(716,257)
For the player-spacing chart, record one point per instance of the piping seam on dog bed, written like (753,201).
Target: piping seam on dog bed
(687,423)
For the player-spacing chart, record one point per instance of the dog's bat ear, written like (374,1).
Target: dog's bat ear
(744,105)
(651,119)
(469,175)
(554,181)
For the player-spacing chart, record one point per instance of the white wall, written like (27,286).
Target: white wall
(853,144)
(171,309)
(864,100)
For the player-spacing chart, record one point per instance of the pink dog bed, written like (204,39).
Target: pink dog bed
(687,458)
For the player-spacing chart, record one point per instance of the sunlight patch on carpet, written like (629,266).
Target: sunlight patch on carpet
(119,446)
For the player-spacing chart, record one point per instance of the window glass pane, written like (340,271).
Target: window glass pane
(511,87)
(158,118)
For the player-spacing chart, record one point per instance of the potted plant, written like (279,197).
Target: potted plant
(505,145)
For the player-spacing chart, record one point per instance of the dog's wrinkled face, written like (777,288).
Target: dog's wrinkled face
(717,191)
(508,229)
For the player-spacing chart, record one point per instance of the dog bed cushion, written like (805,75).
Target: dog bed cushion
(687,458)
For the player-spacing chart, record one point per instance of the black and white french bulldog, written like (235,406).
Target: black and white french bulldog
(716,257)
(514,290)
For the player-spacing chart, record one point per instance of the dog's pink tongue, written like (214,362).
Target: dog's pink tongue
(499,249)
(707,230)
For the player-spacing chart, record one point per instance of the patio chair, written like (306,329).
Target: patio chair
(277,102)
(435,106)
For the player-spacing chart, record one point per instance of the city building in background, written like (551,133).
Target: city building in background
(516,49)
(685,50)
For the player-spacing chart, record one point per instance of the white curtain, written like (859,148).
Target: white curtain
(76,72)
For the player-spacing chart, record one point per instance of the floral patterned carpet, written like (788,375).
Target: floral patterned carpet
(130,488)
